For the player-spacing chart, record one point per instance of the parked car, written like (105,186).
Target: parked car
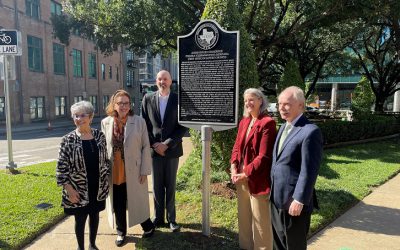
(345,105)
(311,109)
(273,107)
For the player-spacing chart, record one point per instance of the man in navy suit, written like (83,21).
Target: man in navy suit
(160,111)
(295,164)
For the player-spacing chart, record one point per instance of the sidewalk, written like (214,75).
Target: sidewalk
(62,235)
(374,223)
(43,125)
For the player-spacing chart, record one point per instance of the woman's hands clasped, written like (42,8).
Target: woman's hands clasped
(235,176)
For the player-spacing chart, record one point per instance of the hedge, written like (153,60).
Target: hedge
(344,131)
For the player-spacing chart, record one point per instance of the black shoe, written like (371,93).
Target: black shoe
(174,227)
(120,241)
(93,247)
(149,233)
(158,224)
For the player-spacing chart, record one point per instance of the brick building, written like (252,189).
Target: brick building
(51,76)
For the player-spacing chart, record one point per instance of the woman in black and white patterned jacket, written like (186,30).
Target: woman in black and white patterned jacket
(82,171)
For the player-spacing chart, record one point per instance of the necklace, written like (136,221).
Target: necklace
(85,134)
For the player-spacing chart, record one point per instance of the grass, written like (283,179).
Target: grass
(346,176)
(20,221)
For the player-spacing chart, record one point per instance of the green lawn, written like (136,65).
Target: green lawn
(347,175)
(20,221)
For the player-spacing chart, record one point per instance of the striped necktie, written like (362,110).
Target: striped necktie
(284,135)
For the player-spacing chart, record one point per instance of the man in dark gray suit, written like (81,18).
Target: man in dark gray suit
(295,164)
(160,111)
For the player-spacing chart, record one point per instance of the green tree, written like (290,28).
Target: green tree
(363,98)
(377,48)
(291,77)
(227,15)
(138,24)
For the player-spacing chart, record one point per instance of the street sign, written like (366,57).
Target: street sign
(10,42)
(10,68)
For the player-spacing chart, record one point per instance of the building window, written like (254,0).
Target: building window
(2,108)
(106,100)
(92,65)
(103,71)
(58,59)
(130,77)
(117,74)
(93,101)
(77,62)
(110,72)
(55,8)
(35,52)
(37,107)
(33,8)
(60,104)
(78,98)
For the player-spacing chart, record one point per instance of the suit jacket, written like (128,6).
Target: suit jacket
(295,169)
(168,131)
(137,162)
(255,152)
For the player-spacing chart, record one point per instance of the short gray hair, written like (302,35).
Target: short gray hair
(259,94)
(82,107)
(296,92)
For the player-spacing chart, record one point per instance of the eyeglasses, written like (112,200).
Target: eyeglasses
(76,116)
(121,104)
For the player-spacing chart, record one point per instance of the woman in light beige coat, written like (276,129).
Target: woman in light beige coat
(128,149)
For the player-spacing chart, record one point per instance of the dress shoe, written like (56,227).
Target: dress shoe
(174,227)
(157,223)
(120,241)
(93,247)
(148,234)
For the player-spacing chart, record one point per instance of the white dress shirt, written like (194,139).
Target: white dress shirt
(163,100)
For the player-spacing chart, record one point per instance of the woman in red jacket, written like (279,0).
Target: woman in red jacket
(250,171)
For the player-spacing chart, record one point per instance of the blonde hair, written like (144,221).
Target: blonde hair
(110,107)
(259,94)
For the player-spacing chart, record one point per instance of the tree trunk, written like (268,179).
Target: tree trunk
(380,100)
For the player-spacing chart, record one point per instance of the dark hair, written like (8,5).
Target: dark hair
(110,107)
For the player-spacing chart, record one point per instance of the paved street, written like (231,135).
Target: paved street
(31,147)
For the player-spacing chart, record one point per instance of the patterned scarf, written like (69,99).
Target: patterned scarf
(118,136)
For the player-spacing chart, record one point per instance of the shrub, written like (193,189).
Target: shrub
(291,77)
(341,131)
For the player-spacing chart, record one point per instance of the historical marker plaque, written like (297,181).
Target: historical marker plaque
(208,77)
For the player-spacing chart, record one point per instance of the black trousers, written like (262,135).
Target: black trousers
(120,202)
(80,221)
(289,232)
(164,186)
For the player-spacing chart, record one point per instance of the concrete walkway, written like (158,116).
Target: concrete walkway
(62,235)
(374,223)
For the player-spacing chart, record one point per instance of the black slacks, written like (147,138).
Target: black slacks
(289,232)
(164,185)
(119,203)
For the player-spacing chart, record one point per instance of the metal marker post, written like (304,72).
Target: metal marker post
(206,135)
(11,165)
